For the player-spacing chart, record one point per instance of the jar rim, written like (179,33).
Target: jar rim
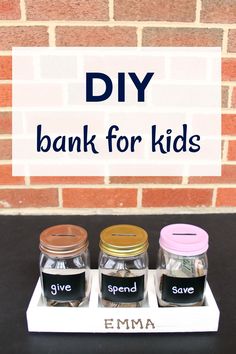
(123,240)
(184,239)
(63,240)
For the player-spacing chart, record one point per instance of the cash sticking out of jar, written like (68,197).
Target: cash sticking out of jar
(123,266)
(182,265)
(64,266)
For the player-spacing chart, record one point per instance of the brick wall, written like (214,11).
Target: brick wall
(119,23)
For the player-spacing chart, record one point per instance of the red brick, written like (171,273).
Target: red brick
(5,123)
(96,36)
(226,197)
(9,10)
(224,96)
(228,176)
(99,198)
(66,180)
(183,197)
(222,148)
(218,11)
(229,124)
(6,176)
(25,198)
(197,37)
(150,179)
(233,101)
(232,150)
(5,68)
(5,95)
(155,10)
(229,69)
(232,40)
(67,10)
(23,36)
(5,149)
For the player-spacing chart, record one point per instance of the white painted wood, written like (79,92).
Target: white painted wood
(94,318)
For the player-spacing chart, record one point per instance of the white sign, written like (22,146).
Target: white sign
(116,111)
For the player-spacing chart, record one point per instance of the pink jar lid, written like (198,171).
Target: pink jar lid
(184,239)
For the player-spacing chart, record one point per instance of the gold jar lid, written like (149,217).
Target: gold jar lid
(123,240)
(63,240)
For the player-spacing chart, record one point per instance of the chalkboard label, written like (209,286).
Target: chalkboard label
(119,289)
(64,287)
(182,290)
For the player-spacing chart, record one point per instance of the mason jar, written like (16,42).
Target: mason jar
(123,266)
(182,265)
(64,266)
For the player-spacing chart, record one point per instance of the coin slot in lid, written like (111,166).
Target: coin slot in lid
(70,235)
(183,234)
(123,235)
(191,240)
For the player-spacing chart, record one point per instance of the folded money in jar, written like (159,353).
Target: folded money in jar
(182,265)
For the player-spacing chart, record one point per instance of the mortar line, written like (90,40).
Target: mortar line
(9,81)
(229,83)
(27,181)
(111,10)
(5,162)
(117,211)
(23,10)
(52,36)
(139,197)
(228,110)
(4,53)
(228,137)
(106,180)
(6,109)
(134,23)
(198,11)
(229,162)
(185,180)
(60,198)
(139,33)
(115,186)
(5,136)
(227,55)
(225,150)
(214,197)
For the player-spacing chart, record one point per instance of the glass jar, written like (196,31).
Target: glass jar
(182,265)
(123,266)
(64,266)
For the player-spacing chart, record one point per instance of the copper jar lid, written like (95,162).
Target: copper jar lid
(124,240)
(63,240)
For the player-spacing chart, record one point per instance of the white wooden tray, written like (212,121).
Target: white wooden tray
(94,318)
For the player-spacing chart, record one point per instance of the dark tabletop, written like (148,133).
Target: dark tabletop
(19,273)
